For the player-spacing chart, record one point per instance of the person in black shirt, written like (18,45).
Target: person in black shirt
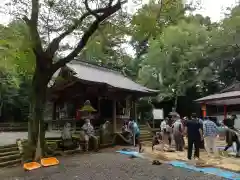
(195,136)
(231,135)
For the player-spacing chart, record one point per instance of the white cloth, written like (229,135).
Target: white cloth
(163,125)
(210,144)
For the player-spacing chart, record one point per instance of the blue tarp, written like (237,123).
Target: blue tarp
(215,171)
(209,170)
(131,153)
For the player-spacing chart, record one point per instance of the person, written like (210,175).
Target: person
(178,132)
(67,140)
(202,141)
(210,132)
(136,134)
(105,134)
(195,136)
(157,139)
(184,120)
(169,132)
(231,135)
(125,131)
(164,127)
(66,133)
(89,134)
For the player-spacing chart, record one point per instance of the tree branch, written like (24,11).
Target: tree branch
(54,45)
(35,12)
(32,24)
(89,10)
(88,33)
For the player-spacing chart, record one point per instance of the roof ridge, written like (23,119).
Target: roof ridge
(103,67)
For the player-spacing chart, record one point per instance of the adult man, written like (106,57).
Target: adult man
(202,141)
(89,134)
(178,132)
(210,132)
(136,134)
(195,136)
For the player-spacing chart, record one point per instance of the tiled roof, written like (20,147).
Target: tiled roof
(232,94)
(94,73)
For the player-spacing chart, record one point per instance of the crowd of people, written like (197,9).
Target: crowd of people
(201,134)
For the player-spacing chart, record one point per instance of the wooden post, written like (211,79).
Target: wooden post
(225,111)
(204,110)
(114,117)
(135,111)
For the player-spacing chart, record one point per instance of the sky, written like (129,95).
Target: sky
(212,8)
(215,8)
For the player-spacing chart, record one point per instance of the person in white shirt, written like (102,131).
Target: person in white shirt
(163,125)
(164,131)
(178,132)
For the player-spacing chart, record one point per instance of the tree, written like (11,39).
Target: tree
(149,21)
(224,48)
(17,64)
(176,60)
(49,22)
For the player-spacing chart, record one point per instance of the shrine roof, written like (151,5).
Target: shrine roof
(225,98)
(94,73)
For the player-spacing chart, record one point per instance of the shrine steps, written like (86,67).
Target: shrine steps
(145,134)
(9,156)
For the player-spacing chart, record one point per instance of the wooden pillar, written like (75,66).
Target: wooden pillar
(225,111)
(135,111)
(204,110)
(114,116)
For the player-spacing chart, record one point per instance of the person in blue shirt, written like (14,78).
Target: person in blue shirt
(136,133)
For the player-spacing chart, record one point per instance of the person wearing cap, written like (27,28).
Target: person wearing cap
(178,132)
(195,136)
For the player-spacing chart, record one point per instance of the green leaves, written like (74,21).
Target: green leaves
(177,54)
(16,65)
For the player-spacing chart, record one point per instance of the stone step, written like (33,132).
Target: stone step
(146,135)
(145,132)
(9,153)
(144,128)
(10,157)
(10,149)
(147,143)
(10,162)
(146,139)
(8,146)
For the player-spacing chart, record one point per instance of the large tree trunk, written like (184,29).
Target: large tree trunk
(36,131)
(175,104)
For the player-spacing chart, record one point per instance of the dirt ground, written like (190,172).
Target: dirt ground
(228,163)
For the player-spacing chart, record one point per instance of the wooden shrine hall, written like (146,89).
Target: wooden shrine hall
(220,104)
(112,95)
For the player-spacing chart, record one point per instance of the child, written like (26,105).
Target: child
(157,139)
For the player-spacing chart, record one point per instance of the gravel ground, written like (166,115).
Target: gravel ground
(104,166)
